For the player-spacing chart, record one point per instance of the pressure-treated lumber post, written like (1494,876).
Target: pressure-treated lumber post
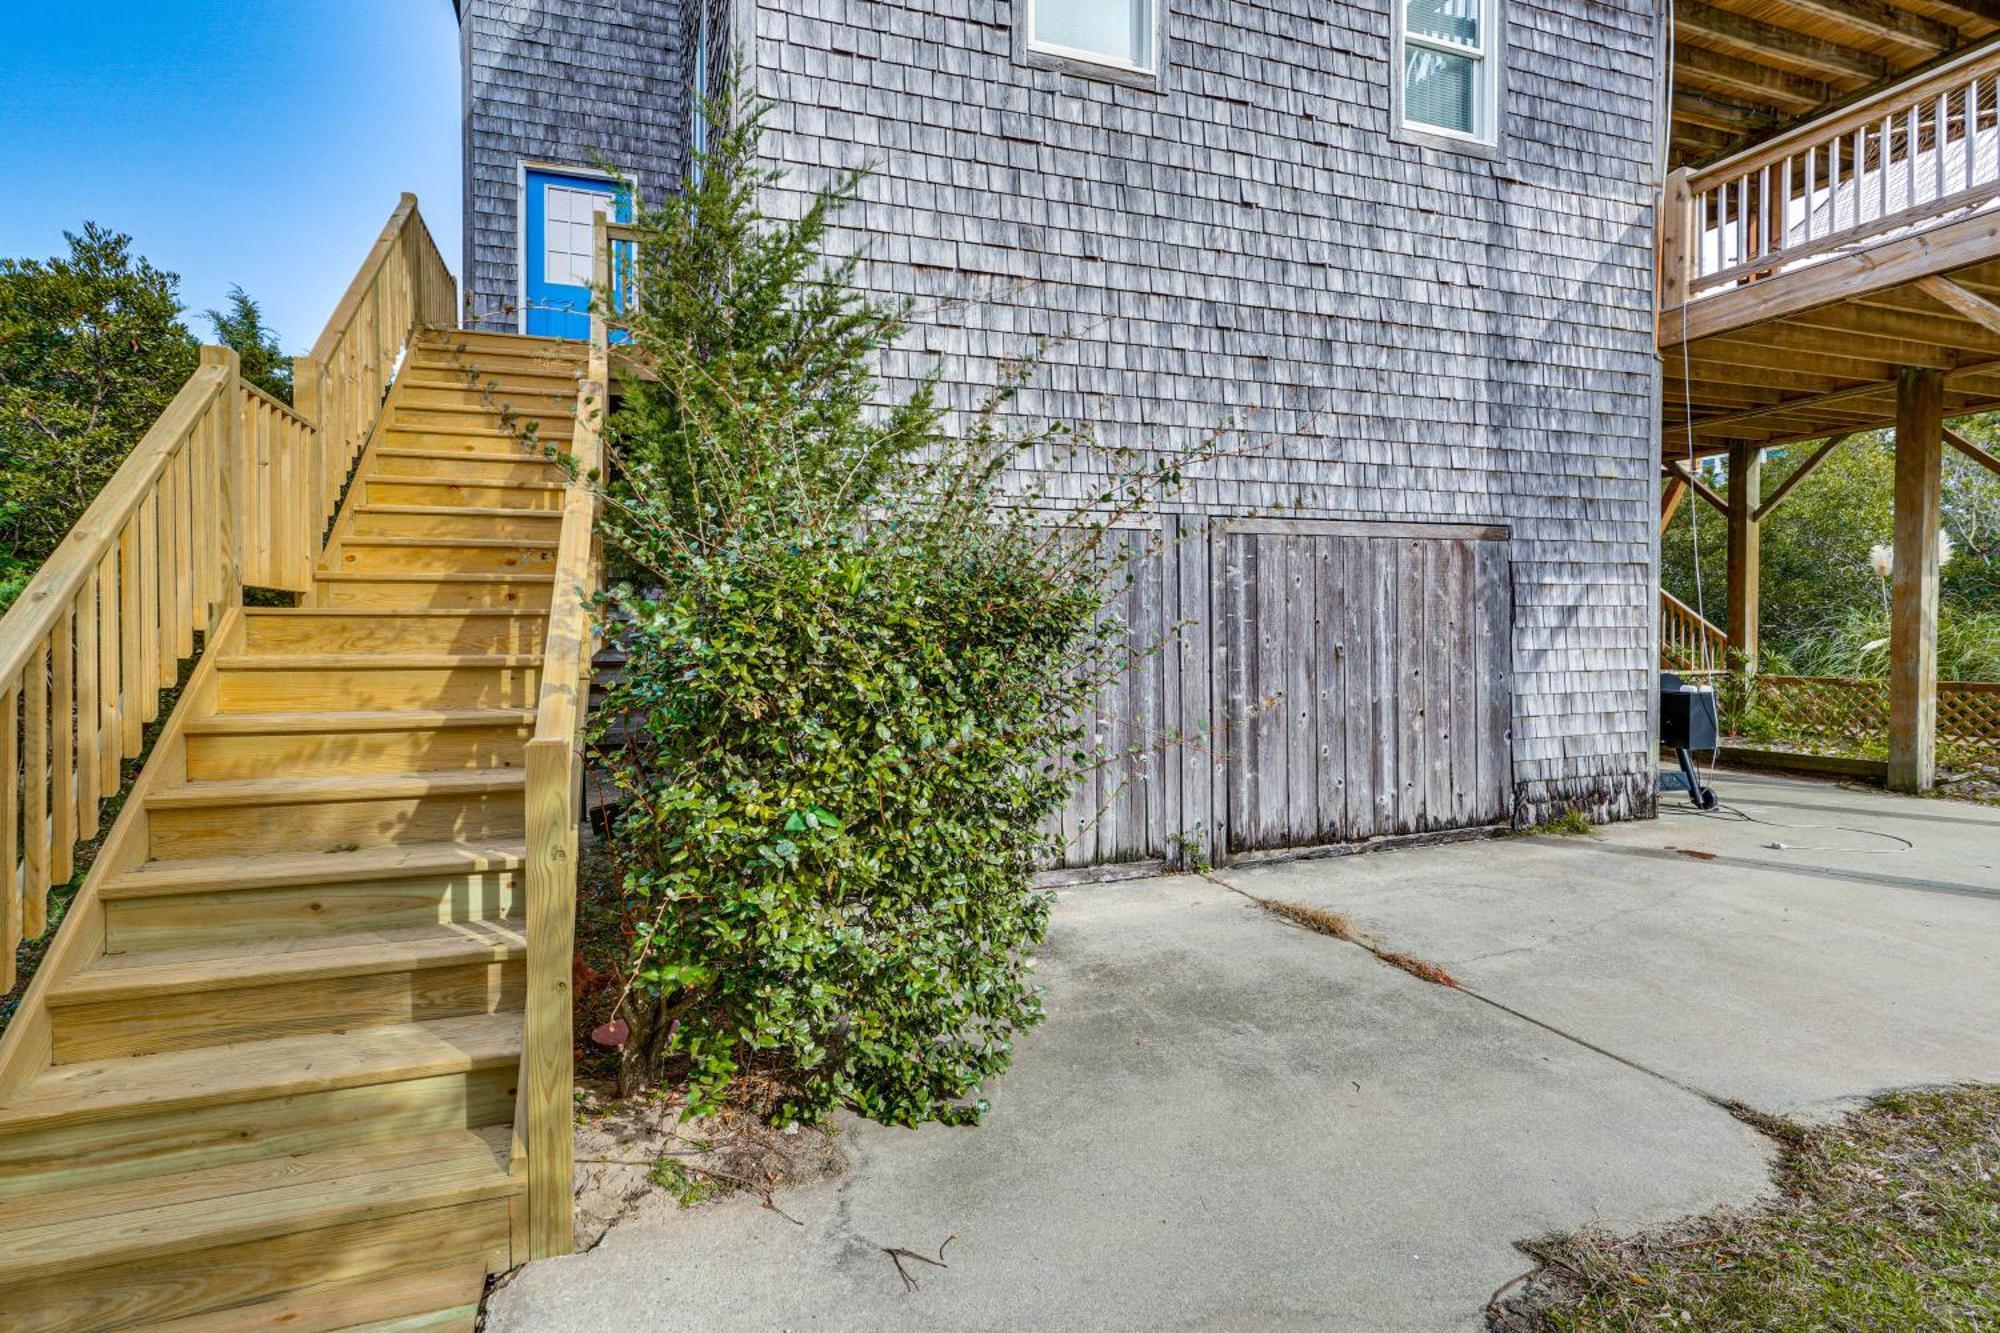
(1914,589)
(1676,228)
(231,522)
(1746,480)
(548,1065)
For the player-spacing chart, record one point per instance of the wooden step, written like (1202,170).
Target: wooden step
(445,1299)
(476,495)
(507,376)
(347,683)
(444,555)
(323,814)
(505,339)
(398,592)
(209,995)
(102,1121)
(335,630)
(193,1248)
(495,443)
(298,895)
(384,741)
(372,520)
(552,422)
(445,466)
(434,393)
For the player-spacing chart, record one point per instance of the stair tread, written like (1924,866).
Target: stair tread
(261,1070)
(344,787)
(228,965)
(459,511)
(460,455)
(97,1225)
(443,1298)
(424,576)
(472,543)
(304,869)
(376,661)
(409,613)
(383,719)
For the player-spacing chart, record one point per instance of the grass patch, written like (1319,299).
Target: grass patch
(1569,824)
(1889,1219)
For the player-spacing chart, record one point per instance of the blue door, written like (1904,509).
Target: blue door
(557,238)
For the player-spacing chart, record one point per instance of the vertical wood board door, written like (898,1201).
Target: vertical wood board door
(1362,675)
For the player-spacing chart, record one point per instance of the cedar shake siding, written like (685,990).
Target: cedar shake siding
(1413,334)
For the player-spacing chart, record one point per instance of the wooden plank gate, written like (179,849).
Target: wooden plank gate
(1297,683)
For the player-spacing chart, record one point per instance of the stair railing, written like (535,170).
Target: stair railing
(1689,644)
(554,767)
(403,287)
(229,486)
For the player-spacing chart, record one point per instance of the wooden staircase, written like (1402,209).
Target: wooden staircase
(268,1077)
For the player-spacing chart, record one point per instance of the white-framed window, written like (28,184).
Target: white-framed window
(1118,33)
(567,233)
(1450,75)
(698,84)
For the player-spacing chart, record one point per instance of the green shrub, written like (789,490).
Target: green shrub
(849,712)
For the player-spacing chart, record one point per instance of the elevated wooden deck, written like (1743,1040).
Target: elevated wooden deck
(1799,280)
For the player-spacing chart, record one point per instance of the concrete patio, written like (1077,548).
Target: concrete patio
(1230,1122)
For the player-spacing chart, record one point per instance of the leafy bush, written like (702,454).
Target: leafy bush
(242,327)
(849,712)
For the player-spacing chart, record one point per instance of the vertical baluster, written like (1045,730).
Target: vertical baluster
(35,793)
(1743,219)
(167,529)
(147,688)
(10,815)
(1785,205)
(1913,144)
(181,471)
(86,707)
(1969,137)
(1813,189)
(62,747)
(110,648)
(1882,166)
(1942,135)
(134,667)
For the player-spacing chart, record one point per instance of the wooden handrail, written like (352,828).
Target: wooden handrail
(1909,158)
(1687,641)
(402,288)
(228,486)
(554,772)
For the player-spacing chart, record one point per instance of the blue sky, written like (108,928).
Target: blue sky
(260,142)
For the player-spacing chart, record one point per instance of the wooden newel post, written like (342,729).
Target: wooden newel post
(548,1064)
(1678,233)
(1914,584)
(1746,484)
(232,522)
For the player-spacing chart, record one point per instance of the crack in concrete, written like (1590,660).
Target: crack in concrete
(1725,1104)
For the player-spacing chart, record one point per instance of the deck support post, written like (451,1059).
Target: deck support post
(1746,480)
(1914,586)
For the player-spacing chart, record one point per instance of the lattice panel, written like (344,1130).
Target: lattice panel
(1855,714)
(1969,721)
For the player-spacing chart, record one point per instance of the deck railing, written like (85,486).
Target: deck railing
(1687,642)
(1912,157)
(555,775)
(210,499)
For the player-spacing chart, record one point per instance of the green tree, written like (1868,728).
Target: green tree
(242,327)
(91,350)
